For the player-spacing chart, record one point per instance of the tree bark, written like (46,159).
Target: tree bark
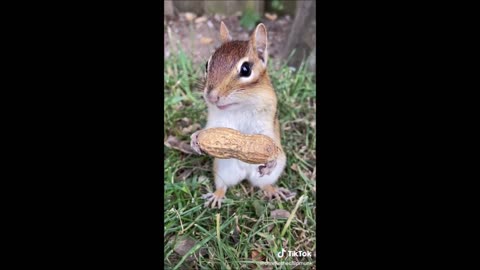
(168,8)
(302,14)
(311,60)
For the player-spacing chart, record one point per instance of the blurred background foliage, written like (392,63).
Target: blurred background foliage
(301,39)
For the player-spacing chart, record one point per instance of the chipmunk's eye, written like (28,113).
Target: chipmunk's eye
(245,70)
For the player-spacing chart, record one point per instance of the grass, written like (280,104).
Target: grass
(242,233)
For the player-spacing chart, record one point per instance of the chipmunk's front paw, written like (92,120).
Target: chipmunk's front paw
(270,191)
(194,143)
(214,199)
(267,168)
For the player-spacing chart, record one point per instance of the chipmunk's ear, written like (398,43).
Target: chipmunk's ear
(224,34)
(259,42)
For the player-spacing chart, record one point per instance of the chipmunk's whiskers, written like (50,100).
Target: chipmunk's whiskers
(199,84)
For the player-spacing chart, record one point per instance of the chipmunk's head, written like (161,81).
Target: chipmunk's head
(236,74)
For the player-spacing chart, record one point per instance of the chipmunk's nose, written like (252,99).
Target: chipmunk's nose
(212,97)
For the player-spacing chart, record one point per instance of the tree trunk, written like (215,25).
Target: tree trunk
(311,60)
(168,8)
(302,14)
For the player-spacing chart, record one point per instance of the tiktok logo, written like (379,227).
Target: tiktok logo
(294,253)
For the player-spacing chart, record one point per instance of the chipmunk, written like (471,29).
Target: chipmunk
(239,95)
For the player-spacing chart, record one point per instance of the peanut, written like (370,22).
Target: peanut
(229,143)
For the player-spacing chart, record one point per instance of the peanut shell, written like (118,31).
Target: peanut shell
(229,143)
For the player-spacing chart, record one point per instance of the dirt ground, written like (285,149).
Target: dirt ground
(199,36)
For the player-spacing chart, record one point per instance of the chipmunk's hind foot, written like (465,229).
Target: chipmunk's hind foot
(214,199)
(278,193)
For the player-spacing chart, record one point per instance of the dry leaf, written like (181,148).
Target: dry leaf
(279,213)
(190,129)
(271,16)
(175,143)
(183,246)
(294,167)
(190,16)
(235,236)
(171,141)
(205,40)
(185,121)
(201,19)
(256,256)
(236,232)
(219,17)
(186,173)
(179,106)
(210,24)
(202,179)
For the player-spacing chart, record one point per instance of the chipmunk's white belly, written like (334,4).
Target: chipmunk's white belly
(245,121)
(232,171)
